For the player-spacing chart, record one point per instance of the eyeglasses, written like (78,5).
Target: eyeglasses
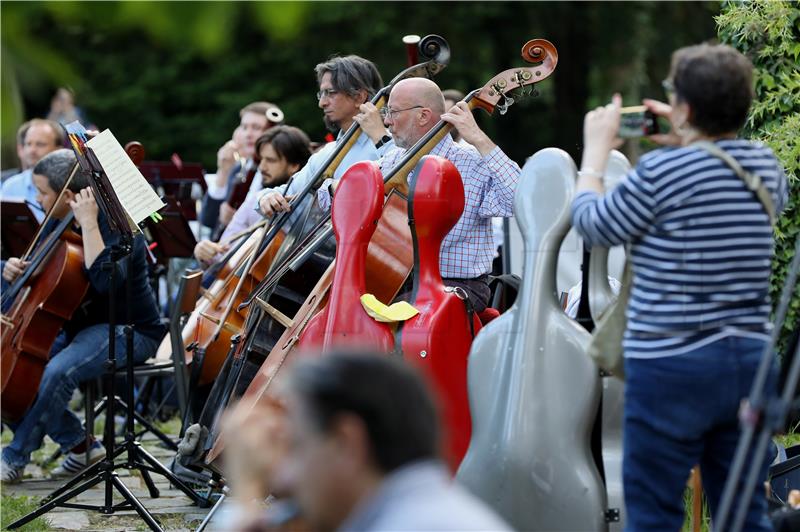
(668,86)
(326,93)
(385,111)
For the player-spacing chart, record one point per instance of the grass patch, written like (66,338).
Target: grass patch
(170,427)
(12,508)
(688,519)
(134,522)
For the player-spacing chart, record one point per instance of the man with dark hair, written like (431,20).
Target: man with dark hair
(363,449)
(236,157)
(80,351)
(41,138)
(346,85)
(281,151)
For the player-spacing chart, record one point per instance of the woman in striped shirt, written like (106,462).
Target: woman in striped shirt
(701,247)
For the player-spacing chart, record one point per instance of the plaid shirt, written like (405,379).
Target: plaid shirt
(489,184)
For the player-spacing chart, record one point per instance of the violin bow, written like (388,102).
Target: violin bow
(49,214)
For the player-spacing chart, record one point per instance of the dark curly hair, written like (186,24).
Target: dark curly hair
(717,83)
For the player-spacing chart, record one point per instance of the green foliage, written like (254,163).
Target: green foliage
(768,32)
(173,75)
(12,508)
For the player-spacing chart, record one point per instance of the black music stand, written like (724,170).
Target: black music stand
(137,457)
(19,227)
(171,180)
(172,234)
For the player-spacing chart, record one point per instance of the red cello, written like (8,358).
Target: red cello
(356,210)
(438,339)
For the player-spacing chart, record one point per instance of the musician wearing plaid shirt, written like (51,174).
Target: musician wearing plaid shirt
(415,106)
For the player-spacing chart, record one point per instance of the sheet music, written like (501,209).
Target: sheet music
(135,194)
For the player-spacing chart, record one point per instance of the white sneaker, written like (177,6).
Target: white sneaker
(74,463)
(10,474)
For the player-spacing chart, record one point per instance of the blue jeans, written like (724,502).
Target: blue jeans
(82,360)
(681,411)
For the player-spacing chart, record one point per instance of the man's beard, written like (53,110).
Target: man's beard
(332,126)
(272,182)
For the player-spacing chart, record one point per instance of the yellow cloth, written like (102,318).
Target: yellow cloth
(400,311)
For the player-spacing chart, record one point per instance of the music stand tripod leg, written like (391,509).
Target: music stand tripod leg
(105,468)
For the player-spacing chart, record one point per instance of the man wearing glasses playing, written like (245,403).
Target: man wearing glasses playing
(346,85)
(490,178)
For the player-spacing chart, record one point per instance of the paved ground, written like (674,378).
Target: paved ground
(172,509)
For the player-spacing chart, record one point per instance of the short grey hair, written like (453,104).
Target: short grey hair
(351,74)
(56,167)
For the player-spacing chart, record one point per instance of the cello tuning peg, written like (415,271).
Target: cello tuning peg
(508,101)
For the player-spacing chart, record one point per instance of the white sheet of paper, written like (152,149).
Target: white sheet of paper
(133,191)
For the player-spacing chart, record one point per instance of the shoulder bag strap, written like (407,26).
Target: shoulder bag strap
(751,180)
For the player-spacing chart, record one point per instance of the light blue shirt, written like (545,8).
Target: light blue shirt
(21,187)
(422,496)
(363,150)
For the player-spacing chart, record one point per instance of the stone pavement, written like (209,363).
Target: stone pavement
(172,509)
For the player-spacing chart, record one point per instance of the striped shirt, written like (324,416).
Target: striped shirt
(701,245)
(489,184)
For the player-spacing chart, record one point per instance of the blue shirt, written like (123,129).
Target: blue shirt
(701,245)
(422,496)
(21,186)
(362,150)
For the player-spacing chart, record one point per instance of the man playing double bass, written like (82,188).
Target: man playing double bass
(81,349)
(415,106)
(346,85)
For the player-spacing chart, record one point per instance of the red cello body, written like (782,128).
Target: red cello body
(355,212)
(439,338)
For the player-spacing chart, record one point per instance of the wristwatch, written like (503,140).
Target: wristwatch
(384,140)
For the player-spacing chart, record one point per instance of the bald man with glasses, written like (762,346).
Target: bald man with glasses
(490,178)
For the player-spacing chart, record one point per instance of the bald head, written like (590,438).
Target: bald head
(416,105)
(421,91)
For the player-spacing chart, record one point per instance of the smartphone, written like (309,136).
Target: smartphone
(637,121)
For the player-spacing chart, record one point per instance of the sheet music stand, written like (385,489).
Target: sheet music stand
(136,457)
(172,235)
(19,227)
(169,180)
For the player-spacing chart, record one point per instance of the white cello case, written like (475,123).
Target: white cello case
(533,391)
(600,296)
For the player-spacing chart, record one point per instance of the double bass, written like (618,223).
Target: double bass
(533,391)
(495,94)
(214,335)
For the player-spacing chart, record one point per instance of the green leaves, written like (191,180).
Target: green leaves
(769,33)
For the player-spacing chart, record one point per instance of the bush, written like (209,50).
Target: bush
(768,33)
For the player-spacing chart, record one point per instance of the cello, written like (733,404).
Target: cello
(38,303)
(42,300)
(533,392)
